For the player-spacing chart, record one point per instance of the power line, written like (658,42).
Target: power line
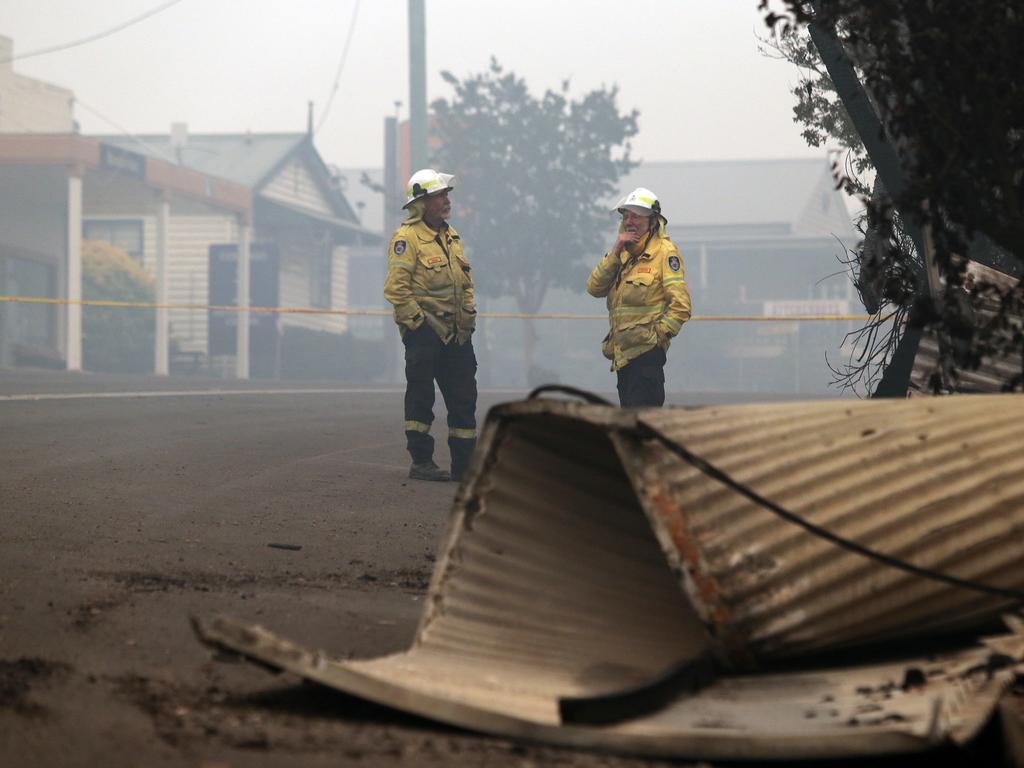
(148,147)
(341,67)
(94,37)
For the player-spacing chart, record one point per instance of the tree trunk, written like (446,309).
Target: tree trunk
(529,346)
(868,125)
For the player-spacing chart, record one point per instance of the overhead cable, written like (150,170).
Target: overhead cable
(93,37)
(341,67)
(149,148)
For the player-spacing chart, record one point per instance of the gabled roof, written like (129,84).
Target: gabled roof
(71,149)
(252,159)
(796,196)
(244,158)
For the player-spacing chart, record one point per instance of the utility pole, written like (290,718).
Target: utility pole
(417,86)
(392,216)
(392,184)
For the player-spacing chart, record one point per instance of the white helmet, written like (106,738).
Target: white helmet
(641,200)
(427,182)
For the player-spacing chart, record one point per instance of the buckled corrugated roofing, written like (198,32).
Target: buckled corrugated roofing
(597,590)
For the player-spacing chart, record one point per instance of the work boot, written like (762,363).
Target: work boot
(462,453)
(428,470)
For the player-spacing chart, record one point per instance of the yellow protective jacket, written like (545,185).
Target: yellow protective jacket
(647,299)
(429,280)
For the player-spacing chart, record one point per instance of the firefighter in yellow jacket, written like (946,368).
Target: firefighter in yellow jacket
(644,280)
(430,284)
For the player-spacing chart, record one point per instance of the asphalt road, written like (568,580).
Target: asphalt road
(126,509)
(128,505)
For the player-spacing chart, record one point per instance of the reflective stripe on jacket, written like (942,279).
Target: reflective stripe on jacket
(647,304)
(429,280)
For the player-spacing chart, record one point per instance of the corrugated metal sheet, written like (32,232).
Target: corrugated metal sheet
(994,373)
(935,482)
(585,561)
(858,711)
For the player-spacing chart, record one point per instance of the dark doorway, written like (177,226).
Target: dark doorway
(264,328)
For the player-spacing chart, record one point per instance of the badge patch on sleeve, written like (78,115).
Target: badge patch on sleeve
(399,247)
(673,263)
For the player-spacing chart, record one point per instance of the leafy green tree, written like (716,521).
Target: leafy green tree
(535,175)
(115,339)
(947,80)
(818,110)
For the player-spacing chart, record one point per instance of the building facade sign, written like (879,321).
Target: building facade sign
(794,308)
(122,161)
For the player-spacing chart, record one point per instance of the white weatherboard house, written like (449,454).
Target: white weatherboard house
(303,230)
(192,210)
(49,183)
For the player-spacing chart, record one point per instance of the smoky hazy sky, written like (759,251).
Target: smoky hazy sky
(691,68)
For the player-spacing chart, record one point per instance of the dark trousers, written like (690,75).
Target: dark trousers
(641,381)
(453,367)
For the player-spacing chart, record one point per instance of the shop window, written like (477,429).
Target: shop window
(125,234)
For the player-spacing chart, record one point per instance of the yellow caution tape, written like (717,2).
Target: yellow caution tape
(387,312)
(204,307)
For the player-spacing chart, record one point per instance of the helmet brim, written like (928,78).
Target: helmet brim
(447,179)
(641,211)
(650,204)
(429,194)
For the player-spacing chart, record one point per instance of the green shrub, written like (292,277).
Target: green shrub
(116,339)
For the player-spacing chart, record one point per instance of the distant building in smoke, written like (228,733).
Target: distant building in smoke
(50,184)
(363,188)
(184,199)
(764,238)
(304,231)
(755,231)
(758,237)
(56,190)
(28,105)
(367,263)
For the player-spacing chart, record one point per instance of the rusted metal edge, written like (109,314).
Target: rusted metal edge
(819,460)
(684,555)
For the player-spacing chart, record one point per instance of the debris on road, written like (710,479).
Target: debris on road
(17,678)
(289,547)
(993,372)
(636,567)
